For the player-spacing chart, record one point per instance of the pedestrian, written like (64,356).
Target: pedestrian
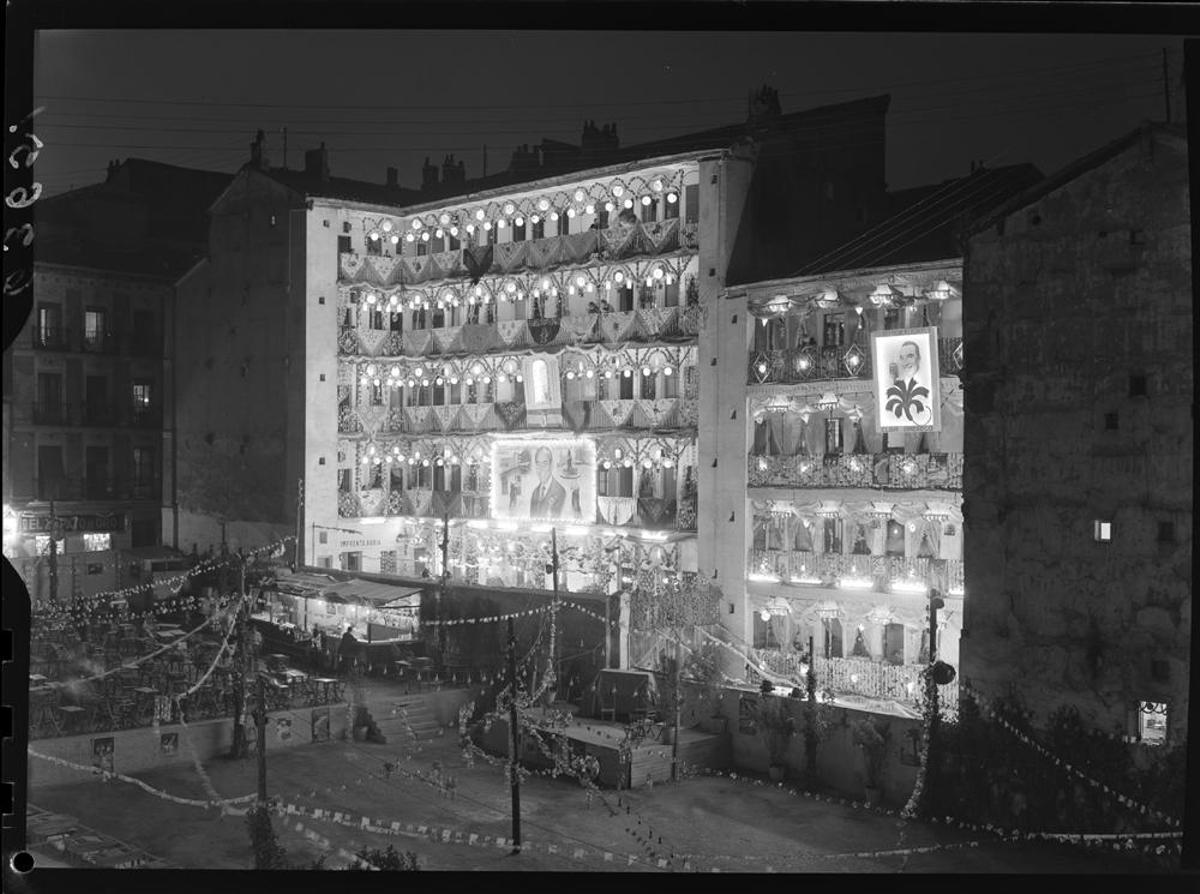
(347,649)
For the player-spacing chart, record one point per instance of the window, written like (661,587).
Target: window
(143,465)
(344,481)
(422,248)
(95,325)
(325,562)
(601,218)
(455,243)
(376,394)
(1111,422)
(669,386)
(626,388)
(49,391)
(650,212)
(1137,386)
(625,298)
(518,230)
(539,229)
(396,321)
(375,320)
(94,543)
(648,389)
(374,246)
(894,542)
(143,332)
(833,436)
(892,318)
(1152,723)
(439,478)
(625,481)
(1166,532)
(439,393)
(323,537)
(143,395)
(671,294)
(671,210)
(1101,531)
(564,225)
(352,561)
(144,532)
(835,330)
(833,536)
(691,197)
(50,322)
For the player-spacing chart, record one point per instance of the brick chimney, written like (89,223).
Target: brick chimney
(429,175)
(392,178)
(453,173)
(316,164)
(258,151)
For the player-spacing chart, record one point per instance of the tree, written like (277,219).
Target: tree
(390,860)
(268,854)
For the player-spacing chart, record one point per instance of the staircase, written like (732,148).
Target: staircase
(410,719)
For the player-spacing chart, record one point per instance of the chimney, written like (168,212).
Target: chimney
(316,164)
(258,154)
(392,178)
(113,167)
(453,173)
(764,104)
(429,175)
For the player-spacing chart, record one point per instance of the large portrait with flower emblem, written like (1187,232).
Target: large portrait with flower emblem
(907,386)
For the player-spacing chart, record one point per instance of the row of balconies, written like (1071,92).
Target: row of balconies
(612,244)
(95,488)
(896,471)
(107,415)
(830,569)
(583,415)
(853,361)
(601,327)
(653,513)
(59,338)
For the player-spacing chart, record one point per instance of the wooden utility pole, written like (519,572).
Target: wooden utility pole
(552,692)
(441,591)
(55,532)
(300,481)
(239,748)
(514,740)
(260,717)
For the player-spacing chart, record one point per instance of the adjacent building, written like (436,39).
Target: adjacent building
(85,436)
(848,512)
(1079,401)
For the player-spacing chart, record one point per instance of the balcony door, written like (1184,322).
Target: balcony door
(50,472)
(96,472)
(49,399)
(96,397)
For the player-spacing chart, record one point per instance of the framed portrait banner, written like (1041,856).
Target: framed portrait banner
(907,383)
(544,480)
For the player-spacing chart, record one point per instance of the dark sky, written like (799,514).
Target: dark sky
(380,98)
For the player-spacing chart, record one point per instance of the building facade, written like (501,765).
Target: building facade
(1078,493)
(85,382)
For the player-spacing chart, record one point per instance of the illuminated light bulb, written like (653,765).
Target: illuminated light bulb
(628,203)
(607,284)
(619,276)
(667,371)
(607,464)
(543,204)
(667,463)
(670,279)
(646,200)
(409,237)
(364,381)
(570,374)
(628,373)
(646,464)
(487,380)
(570,212)
(470,381)
(520,295)
(554,215)
(672,197)
(479,290)
(425,236)
(533,218)
(371,369)
(590,373)
(424,462)
(420,371)
(370,298)
(520,378)
(649,280)
(537,293)
(440,233)
(444,219)
(412,383)
(387,226)
(471,229)
(618,453)
(438,380)
(618,190)
(520,221)
(395,239)
(479,215)
(395,372)
(589,208)
(608,374)
(658,273)
(645,370)
(424,383)
(580,195)
(570,290)
(509,207)
(657,185)
(590,287)
(440,461)
(501,224)
(487,225)
(454,232)
(628,463)
(373,236)
(853,361)
(454,380)
(762,368)
(416,224)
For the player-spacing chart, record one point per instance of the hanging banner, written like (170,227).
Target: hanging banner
(907,387)
(544,479)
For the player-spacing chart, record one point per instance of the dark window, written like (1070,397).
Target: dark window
(439,394)
(648,389)
(143,465)
(1166,532)
(539,229)
(422,248)
(343,482)
(602,218)
(376,395)
(835,329)
(833,536)
(892,318)
(143,332)
(374,246)
(144,532)
(518,230)
(439,318)
(833,436)
(671,294)
(1111,421)
(397,321)
(564,225)
(352,561)
(626,387)
(50,472)
(625,481)
(455,243)
(439,478)
(625,298)
(691,195)
(344,245)
(1137,386)
(671,210)
(670,386)
(650,212)
(376,319)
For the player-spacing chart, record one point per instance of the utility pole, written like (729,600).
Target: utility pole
(552,692)
(299,481)
(260,717)
(441,592)
(55,533)
(514,743)
(242,678)
(1166,85)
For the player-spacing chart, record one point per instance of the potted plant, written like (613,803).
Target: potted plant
(871,735)
(778,726)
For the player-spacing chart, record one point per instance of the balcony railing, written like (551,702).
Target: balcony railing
(51,338)
(51,412)
(145,417)
(58,488)
(934,471)
(670,324)
(851,361)
(823,569)
(95,413)
(101,343)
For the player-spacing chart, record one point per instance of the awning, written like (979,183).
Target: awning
(375,594)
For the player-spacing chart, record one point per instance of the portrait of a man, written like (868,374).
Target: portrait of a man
(907,390)
(548,495)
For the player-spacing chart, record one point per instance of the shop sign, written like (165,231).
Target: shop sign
(44,524)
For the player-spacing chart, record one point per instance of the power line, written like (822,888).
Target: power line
(579,105)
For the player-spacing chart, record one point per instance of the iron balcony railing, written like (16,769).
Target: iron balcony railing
(935,471)
(51,412)
(101,342)
(811,363)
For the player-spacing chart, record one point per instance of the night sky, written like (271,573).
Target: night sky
(392,97)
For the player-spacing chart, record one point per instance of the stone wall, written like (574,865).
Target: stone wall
(1069,301)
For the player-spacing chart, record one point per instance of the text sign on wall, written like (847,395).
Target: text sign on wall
(43,524)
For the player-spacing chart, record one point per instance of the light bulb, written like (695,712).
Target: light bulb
(628,203)
(646,200)
(373,236)
(454,232)
(479,215)
(416,224)
(672,197)
(618,190)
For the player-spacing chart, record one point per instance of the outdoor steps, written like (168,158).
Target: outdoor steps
(409,717)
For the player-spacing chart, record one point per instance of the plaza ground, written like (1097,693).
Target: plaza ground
(702,823)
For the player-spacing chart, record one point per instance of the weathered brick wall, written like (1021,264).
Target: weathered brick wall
(1069,298)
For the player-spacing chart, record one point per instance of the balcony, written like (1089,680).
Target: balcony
(615,243)
(100,414)
(144,344)
(139,488)
(612,415)
(101,343)
(823,569)
(51,338)
(142,416)
(888,471)
(651,324)
(853,361)
(51,412)
(58,488)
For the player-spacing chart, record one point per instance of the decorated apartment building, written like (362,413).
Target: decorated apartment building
(477,365)
(85,382)
(1080,399)
(847,516)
